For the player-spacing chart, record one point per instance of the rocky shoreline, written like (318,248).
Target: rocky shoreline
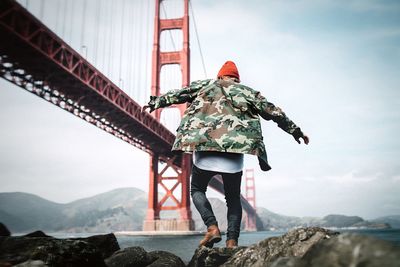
(310,246)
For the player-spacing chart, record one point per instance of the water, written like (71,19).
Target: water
(184,246)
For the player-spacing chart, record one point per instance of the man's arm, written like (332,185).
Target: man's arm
(177,96)
(269,111)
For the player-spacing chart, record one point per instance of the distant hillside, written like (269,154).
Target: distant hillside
(276,221)
(220,210)
(125,209)
(335,220)
(116,210)
(22,211)
(393,220)
(273,220)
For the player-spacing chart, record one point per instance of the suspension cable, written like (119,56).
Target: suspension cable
(83,29)
(121,47)
(147,45)
(170,32)
(96,39)
(111,43)
(71,19)
(198,40)
(130,55)
(140,59)
(64,21)
(41,14)
(58,16)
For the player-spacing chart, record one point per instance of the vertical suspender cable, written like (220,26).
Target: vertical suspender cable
(58,16)
(71,18)
(121,40)
(41,14)
(110,43)
(136,53)
(170,33)
(130,54)
(106,31)
(198,40)
(147,46)
(83,27)
(96,38)
(64,22)
(133,47)
(141,88)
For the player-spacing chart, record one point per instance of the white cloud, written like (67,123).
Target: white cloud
(333,84)
(349,179)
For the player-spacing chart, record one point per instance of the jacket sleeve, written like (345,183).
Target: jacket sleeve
(269,111)
(177,96)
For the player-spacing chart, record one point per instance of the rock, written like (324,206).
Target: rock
(286,262)
(137,256)
(4,230)
(36,234)
(209,257)
(294,243)
(132,256)
(31,263)
(52,251)
(165,259)
(351,250)
(107,244)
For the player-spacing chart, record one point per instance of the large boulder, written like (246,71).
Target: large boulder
(294,243)
(211,257)
(53,252)
(348,250)
(129,257)
(138,257)
(4,230)
(165,259)
(107,244)
(37,247)
(32,263)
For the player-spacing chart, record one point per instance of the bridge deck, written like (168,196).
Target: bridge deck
(37,60)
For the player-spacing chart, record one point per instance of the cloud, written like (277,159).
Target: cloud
(350,179)
(331,65)
(396,179)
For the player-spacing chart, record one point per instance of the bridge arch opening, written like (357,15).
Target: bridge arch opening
(171,40)
(170,79)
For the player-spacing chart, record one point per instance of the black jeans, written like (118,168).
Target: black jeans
(198,187)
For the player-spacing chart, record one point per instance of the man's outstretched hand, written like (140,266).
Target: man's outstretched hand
(147,107)
(305,138)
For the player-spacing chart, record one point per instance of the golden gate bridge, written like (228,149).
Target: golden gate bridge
(35,58)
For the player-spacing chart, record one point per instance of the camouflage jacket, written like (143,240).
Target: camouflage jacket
(223,116)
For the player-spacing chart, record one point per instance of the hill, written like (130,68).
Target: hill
(124,209)
(116,210)
(22,212)
(393,220)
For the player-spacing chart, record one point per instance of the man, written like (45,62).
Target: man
(219,126)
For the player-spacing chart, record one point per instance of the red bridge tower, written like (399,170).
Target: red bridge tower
(251,218)
(158,176)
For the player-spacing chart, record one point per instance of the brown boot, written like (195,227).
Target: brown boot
(212,236)
(231,243)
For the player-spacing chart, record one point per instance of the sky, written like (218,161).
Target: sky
(332,66)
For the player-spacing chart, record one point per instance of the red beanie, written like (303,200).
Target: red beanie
(229,69)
